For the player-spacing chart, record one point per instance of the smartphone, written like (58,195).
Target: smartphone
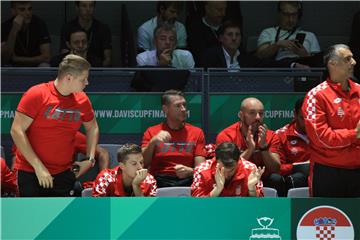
(299,39)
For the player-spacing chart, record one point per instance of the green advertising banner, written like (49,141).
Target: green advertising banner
(144,218)
(278,109)
(116,113)
(180,218)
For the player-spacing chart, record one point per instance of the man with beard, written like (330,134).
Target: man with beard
(227,175)
(98,33)
(167,11)
(258,144)
(332,121)
(173,148)
(25,40)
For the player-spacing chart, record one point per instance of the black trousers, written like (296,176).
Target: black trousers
(63,184)
(283,184)
(172,181)
(335,182)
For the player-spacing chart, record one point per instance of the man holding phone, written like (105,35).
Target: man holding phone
(287,40)
(258,144)
(165,54)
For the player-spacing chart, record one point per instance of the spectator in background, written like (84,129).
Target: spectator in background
(173,149)
(202,32)
(280,42)
(332,121)
(44,127)
(127,179)
(227,175)
(258,144)
(25,40)
(8,181)
(294,149)
(98,33)
(77,43)
(195,10)
(355,43)
(167,12)
(228,54)
(165,54)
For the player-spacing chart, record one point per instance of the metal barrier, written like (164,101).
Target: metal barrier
(206,84)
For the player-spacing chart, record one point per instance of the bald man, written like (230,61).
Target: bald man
(257,143)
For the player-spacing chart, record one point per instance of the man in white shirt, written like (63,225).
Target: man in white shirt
(283,41)
(167,12)
(165,54)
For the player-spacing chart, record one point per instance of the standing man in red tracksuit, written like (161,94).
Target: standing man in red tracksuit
(332,120)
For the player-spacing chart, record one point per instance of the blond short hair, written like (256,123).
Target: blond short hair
(73,64)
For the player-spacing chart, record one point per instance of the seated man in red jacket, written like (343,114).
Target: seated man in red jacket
(294,151)
(257,143)
(127,179)
(227,175)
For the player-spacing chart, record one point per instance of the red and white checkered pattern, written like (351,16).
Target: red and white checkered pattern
(311,101)
(152,182)
(325,232)
(104,181)
(197,176)
(210,150)
(283,129)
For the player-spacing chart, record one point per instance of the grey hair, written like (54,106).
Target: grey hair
(332,52)
(164,26)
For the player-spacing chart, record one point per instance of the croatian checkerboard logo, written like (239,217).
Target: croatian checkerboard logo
(325,223)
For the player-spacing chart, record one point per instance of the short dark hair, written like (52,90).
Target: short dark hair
(296,4)
(74,29)
(77,3)
(228,24)
(14,3)
(298,105)
(166,4)
(228,153)
(165,98)
(126,149)
(331,53)
(164,26)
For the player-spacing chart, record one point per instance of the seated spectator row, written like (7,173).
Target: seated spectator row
(212,38)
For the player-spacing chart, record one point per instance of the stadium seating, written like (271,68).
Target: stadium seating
(269,192)
(302,192)
(174,192)
(87,192)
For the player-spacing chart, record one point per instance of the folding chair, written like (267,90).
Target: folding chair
(112,149)
(87,192)
(270,192)
(302,192)
(173,192)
